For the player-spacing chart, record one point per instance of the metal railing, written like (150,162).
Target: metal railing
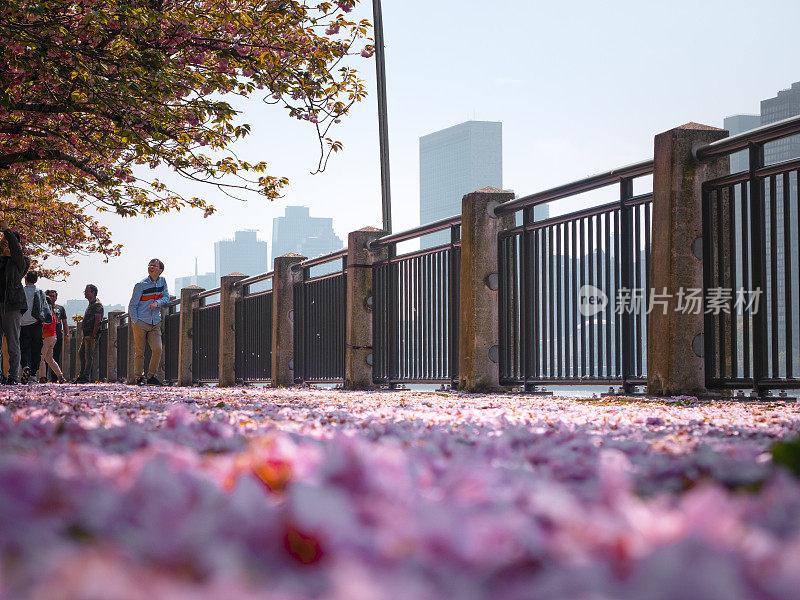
(253,323)
(415,308)
(123,330)
(171,339)
(319,321)
(751,265)
(205,335)
(574,289)
(101,359)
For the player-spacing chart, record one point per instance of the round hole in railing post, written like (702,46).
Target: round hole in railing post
(492,281)
(368,302)
(491,207)
(699,345)
(291,316)
(291,364)
(368,359)
(697,248)
(494,354)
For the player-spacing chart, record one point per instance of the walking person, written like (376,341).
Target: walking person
(90,326)
(148,296)
(13,266)
(62,330)
(30,333)
(48,343)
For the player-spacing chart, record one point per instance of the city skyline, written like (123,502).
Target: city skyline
(561,124)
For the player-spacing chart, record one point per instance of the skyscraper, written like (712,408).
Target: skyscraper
(784,105)
(205,281)
(301,233)
(736,124)
(244,254)
(454,162)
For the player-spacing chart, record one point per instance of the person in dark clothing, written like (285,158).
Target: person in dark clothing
(62,331)
(13,266)
(30,333)
(91,327)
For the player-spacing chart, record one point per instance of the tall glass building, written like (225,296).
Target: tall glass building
(245,254)
(454,162)
(297,231)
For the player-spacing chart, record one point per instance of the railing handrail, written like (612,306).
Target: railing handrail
(593,182)
(416,232)
(319,260)
(254,279)
(741,141)
(587,184)
(207,293)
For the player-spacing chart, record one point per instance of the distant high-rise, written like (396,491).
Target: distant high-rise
(784,105)
(735,125)
(454,162)
(244,254)
(297,231)
(205,281)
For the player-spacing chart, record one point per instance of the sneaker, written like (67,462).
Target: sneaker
(81,379)
(11,381)
(141,380)
(42,379)
(26,375)
(153,380)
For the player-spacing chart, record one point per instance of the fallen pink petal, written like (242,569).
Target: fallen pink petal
(112,491)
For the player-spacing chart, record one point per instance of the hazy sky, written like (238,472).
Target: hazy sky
(581,87)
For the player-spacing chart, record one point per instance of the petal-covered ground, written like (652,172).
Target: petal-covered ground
(115,492)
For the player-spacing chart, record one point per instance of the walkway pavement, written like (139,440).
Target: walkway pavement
(113,491)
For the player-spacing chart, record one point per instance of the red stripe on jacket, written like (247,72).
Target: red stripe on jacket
(150,297)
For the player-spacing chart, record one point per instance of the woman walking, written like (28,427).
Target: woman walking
(49,339)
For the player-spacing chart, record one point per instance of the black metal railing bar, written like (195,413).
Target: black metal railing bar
(580,186)
(742,141)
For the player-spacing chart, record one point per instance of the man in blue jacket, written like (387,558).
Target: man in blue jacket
(149,295)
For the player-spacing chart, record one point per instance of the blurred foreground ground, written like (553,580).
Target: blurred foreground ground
(119,492)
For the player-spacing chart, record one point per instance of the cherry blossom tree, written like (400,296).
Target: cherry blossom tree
(93,92)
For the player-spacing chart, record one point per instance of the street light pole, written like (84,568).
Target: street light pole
(383,125)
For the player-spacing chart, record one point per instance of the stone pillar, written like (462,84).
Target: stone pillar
(674,340)
(227,328)
(358,353)
(479,332)
(111,360)
(283,281)
(185,348)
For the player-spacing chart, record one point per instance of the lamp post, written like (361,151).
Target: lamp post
(383,125)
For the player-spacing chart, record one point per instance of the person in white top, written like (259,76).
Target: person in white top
(30,332)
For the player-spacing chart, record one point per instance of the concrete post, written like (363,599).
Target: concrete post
(227,328)
(358,353)
(283,281)
(111,360)
(130,376)
(673,365)
(479,333)
(185,348)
